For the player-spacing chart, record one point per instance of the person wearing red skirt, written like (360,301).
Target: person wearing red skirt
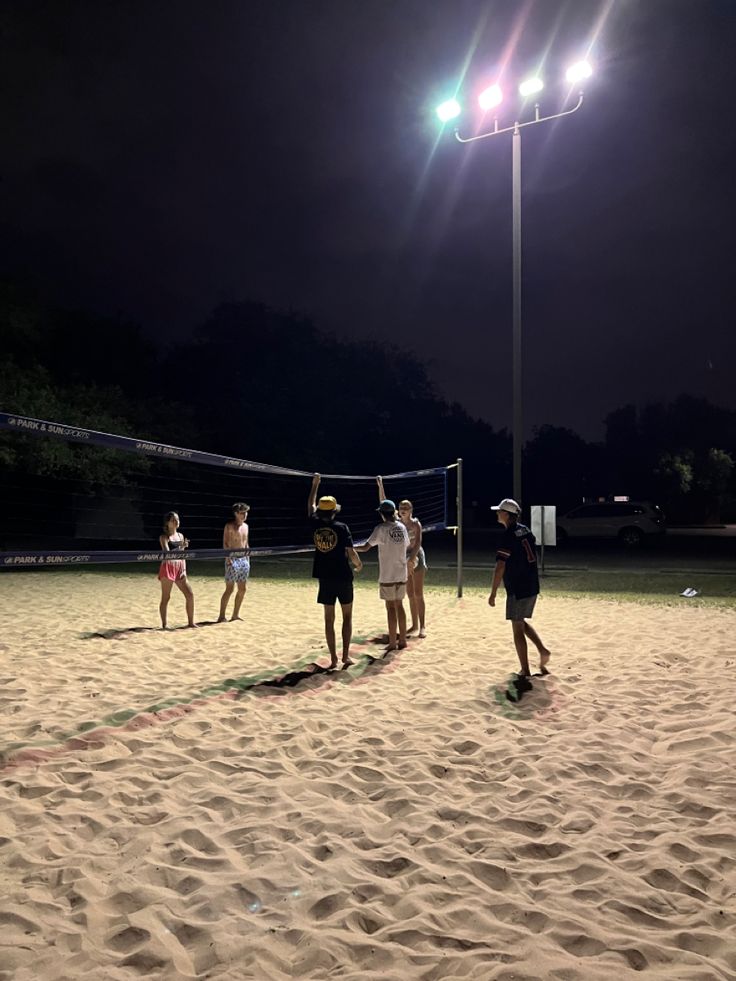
(174,570)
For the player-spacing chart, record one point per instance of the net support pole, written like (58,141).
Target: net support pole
(459,504)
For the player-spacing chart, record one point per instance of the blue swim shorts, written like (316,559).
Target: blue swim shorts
(237,570)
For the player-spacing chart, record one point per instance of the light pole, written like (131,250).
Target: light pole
(490,98)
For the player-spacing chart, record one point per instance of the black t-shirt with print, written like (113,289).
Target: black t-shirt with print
(516,549)
(331,538)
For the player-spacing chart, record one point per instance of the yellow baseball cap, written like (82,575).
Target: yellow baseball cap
(327,503)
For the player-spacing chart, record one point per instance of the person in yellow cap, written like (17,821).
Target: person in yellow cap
(333,553)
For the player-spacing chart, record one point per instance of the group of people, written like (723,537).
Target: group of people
(401,558)
(174,571)
(402,565)
(401,569)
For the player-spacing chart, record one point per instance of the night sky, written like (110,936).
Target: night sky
(162,157)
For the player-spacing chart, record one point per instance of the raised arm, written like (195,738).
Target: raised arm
(312,505)
(381,491)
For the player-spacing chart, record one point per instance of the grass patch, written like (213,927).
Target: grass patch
(646,588)
(643,586)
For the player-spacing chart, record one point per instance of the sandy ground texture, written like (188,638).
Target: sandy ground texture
(166,813)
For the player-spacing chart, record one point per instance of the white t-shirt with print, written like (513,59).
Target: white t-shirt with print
(392,539)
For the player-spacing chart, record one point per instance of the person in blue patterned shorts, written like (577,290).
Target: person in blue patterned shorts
(237,568)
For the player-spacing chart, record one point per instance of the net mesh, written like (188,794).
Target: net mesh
(106,501)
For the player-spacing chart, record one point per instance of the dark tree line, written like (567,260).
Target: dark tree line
(680,455)
(250,382)
(270,386)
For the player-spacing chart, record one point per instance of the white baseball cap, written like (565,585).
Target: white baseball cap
(507,504)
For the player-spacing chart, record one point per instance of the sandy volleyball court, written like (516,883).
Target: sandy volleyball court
(165,814)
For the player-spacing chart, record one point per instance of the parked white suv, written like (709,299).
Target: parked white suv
(630,521)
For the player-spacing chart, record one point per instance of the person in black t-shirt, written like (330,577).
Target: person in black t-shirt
(333,553)
(516,564)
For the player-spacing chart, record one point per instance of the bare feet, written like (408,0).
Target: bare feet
(401,645)
(412,629)
(544,656)
(235,618)
(222,618)
(422,632)
(193,625)
(346,662)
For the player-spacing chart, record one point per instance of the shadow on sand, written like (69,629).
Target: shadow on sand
(118,633)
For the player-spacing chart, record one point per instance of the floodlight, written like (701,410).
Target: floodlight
(530,86)
(490,97)
(448,110)
(578,72)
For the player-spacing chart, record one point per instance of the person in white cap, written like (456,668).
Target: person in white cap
(516,565)
(333,553)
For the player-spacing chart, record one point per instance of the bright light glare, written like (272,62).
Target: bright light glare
(578,72)
(530,86)
(490,97)
(448,110)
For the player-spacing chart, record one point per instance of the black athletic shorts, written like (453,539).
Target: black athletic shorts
(332,590)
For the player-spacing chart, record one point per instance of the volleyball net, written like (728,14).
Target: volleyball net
(91,497)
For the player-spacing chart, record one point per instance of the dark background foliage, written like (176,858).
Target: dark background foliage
(270,386)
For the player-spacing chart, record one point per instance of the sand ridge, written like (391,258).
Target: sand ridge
(399,820)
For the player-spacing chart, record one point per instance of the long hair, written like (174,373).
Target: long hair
(169,516)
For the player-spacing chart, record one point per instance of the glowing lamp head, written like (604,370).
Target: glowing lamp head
(578,72)
(448,110)
(490,97)
(530,86)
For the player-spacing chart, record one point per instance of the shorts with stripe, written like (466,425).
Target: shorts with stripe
(392,590)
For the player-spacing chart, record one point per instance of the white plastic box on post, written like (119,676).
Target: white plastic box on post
(544,526)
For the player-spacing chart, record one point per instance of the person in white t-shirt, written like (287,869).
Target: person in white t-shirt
(392,539)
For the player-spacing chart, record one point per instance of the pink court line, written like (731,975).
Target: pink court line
(94,738)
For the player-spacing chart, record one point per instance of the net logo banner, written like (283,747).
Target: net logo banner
(16,560)
(40,427)
(43,428)
(50,428)
(51,558)
(163,450)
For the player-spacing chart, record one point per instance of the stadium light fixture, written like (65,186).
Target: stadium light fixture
(578,72)
(447,110)
(491,97)
(531,86)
